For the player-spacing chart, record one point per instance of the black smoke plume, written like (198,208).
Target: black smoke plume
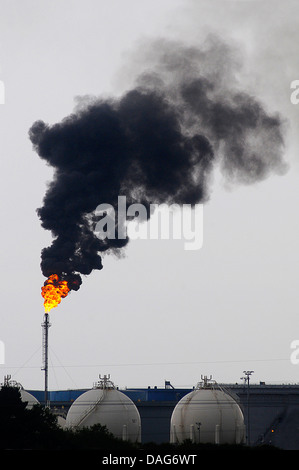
(157,143)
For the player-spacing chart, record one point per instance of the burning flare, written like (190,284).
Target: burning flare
(53,291)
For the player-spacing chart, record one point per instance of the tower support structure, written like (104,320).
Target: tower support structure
(46,325)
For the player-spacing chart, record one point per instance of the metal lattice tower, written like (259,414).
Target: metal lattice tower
(46,325)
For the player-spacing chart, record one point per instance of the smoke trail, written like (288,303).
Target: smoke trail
(157,143)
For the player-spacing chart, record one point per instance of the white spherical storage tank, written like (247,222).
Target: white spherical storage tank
(106,405)
(61,422)
(207,415)
(29,398)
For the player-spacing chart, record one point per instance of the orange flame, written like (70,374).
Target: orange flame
(53,291)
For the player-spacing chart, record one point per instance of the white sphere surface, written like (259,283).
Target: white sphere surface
(207,416)
(108,407)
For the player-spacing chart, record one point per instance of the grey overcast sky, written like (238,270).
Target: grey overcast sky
(161,312)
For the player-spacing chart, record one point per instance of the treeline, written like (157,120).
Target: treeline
(36,428)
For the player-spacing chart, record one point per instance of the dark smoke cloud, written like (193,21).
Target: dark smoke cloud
(158,142)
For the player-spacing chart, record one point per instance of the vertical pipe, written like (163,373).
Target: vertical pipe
(46,326)
(248,424)
(46,357)
(217,434)
(247,378)
(192,434)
